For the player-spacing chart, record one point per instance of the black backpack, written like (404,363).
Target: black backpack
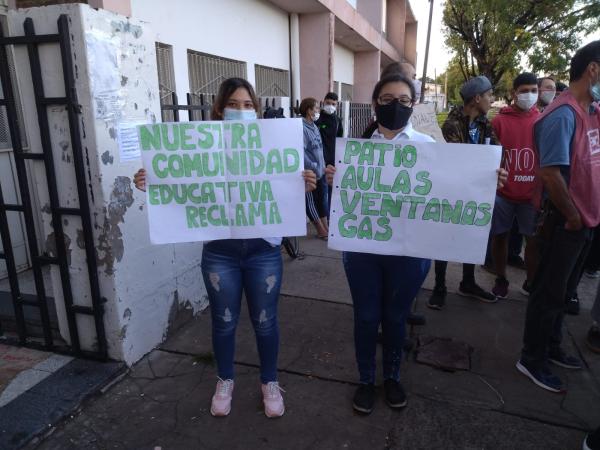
(273,113)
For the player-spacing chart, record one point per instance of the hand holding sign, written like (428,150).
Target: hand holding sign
(419,199)
(221,180)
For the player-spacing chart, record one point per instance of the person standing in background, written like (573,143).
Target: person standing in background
(330,126)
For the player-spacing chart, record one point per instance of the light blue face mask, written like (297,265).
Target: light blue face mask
(238,114)
(595,91)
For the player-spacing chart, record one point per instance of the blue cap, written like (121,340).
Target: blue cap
(475,86)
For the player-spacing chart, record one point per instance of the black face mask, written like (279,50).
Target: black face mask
(393,116)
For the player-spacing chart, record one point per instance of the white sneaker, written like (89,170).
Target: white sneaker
(272,399)
(221,401)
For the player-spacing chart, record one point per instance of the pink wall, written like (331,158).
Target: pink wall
(366,74)
(410,43)
(372,11)
(396,18)
(316,54)
(119,6)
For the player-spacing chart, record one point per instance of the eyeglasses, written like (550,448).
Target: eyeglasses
(386,99)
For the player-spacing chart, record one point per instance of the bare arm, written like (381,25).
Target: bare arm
(558,192)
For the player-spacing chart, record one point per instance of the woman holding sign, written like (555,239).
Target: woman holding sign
(383,286)
(233,266)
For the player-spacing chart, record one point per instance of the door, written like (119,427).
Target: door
(8,181)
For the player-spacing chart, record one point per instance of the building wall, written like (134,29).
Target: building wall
(256,32)
(316,54)
(343,65)
(144,285)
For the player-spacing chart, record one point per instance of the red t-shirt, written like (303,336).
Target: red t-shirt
(514,129)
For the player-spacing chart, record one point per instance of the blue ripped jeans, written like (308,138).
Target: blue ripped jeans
(253,266)
(383,288)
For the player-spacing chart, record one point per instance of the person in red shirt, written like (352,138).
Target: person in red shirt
(514,128)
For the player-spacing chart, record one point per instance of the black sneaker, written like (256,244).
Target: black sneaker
(364,398)
(593,339)
(592,440)
(560,358)
(572,307)
(474,291)
(526,288)
(395,396)
(438,298)
(541,377)
(416,319)
(500,288)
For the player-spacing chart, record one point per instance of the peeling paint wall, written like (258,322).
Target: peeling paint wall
(116,79)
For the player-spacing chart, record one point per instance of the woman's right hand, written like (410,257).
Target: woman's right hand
(329,173)
(139,180)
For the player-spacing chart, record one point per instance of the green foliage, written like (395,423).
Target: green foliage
(490,37)
(441,118)
(455,81)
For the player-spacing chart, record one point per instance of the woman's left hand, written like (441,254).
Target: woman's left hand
(502,177)
(310,180)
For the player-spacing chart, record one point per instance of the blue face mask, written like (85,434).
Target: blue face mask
(595,91)
(239,114)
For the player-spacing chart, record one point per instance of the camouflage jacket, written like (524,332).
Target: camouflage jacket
(456,128)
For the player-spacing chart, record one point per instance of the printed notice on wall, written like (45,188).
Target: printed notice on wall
(224,180)
(129,144)
(419,199)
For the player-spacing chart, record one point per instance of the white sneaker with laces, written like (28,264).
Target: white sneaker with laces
(221,401)
(272,399)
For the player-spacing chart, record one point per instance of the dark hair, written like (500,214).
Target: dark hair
(226,89)
(306,104)
(331,96)
(524,78)
(396,68)
(560,86)
(541,80)
(393,79)
(582,58)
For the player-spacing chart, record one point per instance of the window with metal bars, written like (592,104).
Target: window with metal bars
(207,72)
(5,141)
(347,92)
(271,82)
(166,77)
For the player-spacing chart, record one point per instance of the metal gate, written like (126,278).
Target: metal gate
(45,157)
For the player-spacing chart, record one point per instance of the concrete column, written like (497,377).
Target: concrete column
(295,57)
(316,54)
(410,43)
(396,18)
(144,285)
(366,74)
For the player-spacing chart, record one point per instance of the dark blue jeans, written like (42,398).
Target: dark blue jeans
(383,288)
(253,266)
(561,260)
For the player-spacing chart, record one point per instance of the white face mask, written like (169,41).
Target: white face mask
(546,97)
(527,100)
(329,109)
(238,114)
(316,116)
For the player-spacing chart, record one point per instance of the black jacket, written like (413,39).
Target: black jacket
(330,126)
